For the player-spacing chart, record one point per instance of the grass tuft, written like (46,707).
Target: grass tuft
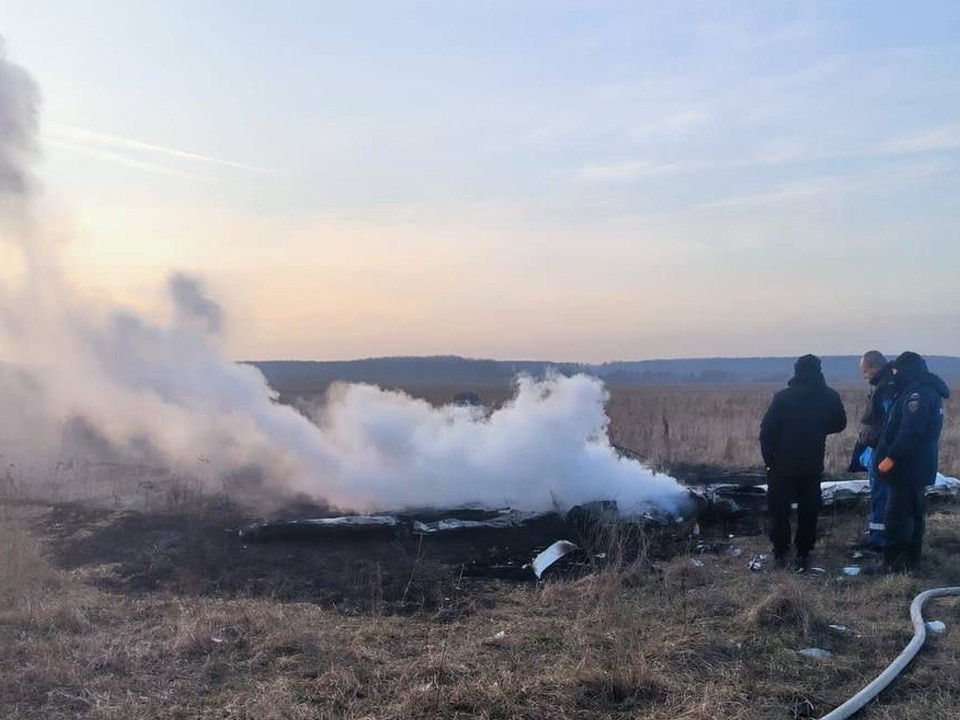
(790,606)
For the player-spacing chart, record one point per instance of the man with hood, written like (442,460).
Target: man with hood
(793,441)
(879,373)
(907,457)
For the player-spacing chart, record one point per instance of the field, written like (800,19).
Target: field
(158,612)
(714,425)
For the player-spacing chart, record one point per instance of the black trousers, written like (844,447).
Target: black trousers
(905,522)
(782,492)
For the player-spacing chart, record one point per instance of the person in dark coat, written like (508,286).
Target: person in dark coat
(879,373)
(907,456)
(793,441)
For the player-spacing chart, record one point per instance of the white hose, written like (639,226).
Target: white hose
(903,659)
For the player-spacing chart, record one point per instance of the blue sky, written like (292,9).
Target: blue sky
(567,180)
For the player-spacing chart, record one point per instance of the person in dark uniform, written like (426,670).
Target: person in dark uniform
(793,441)
(879,373)
(907,457)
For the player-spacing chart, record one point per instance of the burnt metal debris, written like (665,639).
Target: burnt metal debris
(542,562)
(507,543)
(319,528)
(735,500)
(488,543)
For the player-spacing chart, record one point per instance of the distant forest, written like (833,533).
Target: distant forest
(292,376)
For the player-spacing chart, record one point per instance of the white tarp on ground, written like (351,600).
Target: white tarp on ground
(840,490)
(944,487)
(833,491)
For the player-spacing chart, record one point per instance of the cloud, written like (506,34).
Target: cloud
(673,124)
(872,181)
(124,160)
(79,137)
(943,137)
(624,171)
(782,195)
(749,33)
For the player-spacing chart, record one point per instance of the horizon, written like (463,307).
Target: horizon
(822,356)
(521,180)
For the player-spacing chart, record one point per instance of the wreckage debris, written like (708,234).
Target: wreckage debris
(944,487)
(504,520)
(431,514)
(318,528)
(500,542)
(581,519)
(732,500)
(803,709)
(841,630)
(560,558)
(724,501)
(549,556)
(816,653)
(737,499)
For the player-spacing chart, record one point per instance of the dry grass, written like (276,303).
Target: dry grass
(640,639)
(721,425)
(713,425)
(666,640)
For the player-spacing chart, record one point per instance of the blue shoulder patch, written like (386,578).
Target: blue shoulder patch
(913,402)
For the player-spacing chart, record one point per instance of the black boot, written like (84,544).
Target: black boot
(876,568)
(912,557)
(896,559)
(801,563)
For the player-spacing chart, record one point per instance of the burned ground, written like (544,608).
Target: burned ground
(109,614)
(201,553)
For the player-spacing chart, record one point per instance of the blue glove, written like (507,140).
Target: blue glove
(866,457)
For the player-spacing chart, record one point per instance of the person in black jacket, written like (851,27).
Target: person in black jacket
(907,456)
(793,441)
(879,373)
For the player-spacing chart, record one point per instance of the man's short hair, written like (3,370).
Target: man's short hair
(874,358)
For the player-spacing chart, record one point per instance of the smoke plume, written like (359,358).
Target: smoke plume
(18,126)
(192,305)
(107,383)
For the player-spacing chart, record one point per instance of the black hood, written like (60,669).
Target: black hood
(806,371)
(909,366)
(807,380)
(909,362)
(937,383)
(912,370)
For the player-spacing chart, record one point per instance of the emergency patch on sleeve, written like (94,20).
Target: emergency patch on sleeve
(913,402)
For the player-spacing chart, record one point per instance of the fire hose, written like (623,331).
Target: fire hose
(903,659)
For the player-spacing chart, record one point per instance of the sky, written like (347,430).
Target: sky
(514,179)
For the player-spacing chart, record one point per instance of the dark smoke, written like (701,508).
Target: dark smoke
(19,114)
(193,306)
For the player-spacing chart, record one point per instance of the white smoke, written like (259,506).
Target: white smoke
(548,446)
(164,390)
